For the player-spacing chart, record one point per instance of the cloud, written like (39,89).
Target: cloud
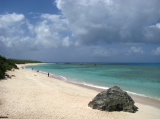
(134,49)
(7,20)
(85,30)
(11,23)
(100,51)
(49,31)
(58,21)
(156,51)
(66,42)
(157,25)
(45,35)
(11,28)
(18,31)
(104,52)
(110,21)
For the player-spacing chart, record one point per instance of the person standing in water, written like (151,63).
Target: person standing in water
(48,74)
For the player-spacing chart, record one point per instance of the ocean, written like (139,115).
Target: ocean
(140,79)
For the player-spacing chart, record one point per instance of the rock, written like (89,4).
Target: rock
(113,99)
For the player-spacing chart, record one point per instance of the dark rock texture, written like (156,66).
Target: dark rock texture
(113,99)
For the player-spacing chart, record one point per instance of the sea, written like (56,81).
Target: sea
(137,78)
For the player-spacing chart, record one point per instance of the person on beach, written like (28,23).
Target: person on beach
(48,74)
(37,70)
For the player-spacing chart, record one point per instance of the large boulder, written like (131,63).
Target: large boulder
(113,99)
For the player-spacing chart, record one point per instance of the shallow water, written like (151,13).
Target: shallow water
(143,79)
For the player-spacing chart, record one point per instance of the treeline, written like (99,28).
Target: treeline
(6,64)
(16,61)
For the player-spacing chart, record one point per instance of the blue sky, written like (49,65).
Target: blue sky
(80,30)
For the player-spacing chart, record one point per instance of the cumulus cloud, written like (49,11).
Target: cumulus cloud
(11,28)
(157,25)
(58,21)
(66,42)
(45,35)
(49,32)
(134,49)
(111,21)
(7,20)
(86,29)
(156,51)
(18,31)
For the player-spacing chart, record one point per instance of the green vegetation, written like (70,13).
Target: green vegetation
(6,64)
(24,61)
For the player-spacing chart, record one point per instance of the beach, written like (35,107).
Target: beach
(33,95)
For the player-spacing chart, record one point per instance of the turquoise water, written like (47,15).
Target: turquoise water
(143,79)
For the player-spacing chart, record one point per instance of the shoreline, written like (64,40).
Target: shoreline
(31,95)
(136,97)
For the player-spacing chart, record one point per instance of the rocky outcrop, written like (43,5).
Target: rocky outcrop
(113,99)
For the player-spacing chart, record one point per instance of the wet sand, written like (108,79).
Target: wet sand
(33,95)
(137,98)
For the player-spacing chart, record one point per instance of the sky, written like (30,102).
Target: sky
(81,30)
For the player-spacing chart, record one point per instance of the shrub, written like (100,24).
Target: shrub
(5,64)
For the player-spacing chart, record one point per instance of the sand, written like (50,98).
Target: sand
(33,95)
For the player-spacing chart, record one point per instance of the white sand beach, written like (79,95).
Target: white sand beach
(33,95)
